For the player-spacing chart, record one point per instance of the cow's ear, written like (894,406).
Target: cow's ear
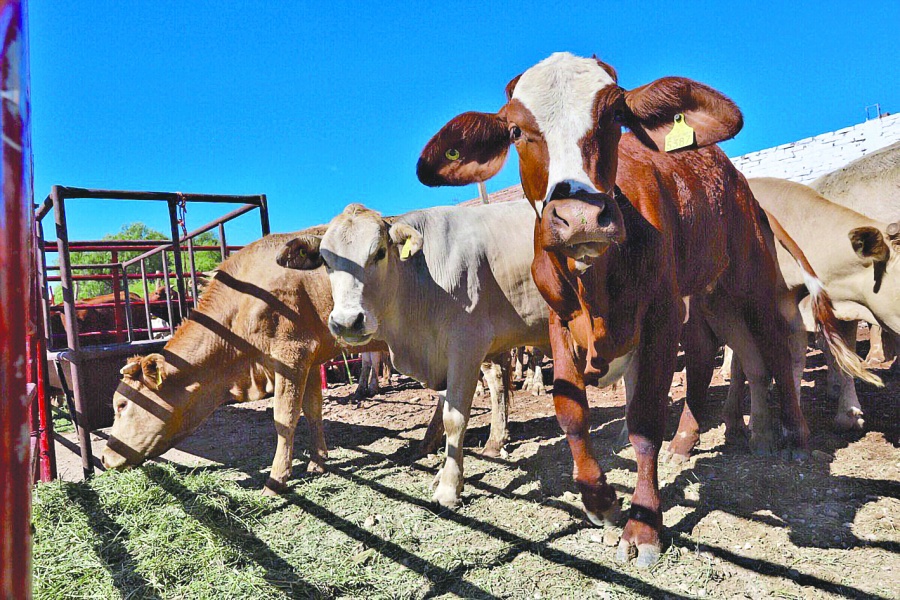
(868,243)
(470,148)
(131,368)
(407,239)
(153,367)
(301,253)
(659,107)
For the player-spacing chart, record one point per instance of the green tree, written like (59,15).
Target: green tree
(203,260)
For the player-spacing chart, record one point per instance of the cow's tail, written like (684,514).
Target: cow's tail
(823,311)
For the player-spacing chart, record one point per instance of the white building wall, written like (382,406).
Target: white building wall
(812,157)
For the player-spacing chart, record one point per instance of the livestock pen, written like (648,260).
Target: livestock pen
(103,351)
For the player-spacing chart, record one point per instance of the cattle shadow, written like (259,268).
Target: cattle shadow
(108,545)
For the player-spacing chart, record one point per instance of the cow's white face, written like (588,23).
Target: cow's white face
(358,251)
(560,94)
(354,250)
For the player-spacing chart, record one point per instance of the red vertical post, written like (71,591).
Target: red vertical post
(15,270)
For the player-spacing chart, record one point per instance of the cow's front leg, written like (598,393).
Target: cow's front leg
(312,410)
(646,419)
(286,412)
(573,414)
(457,403)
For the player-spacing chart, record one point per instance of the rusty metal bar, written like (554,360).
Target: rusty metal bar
(176,251)
(62,236)
(165,262)
(76,192)
(264,214)
(146,300)
(223,247)
(193,273)
(121,245)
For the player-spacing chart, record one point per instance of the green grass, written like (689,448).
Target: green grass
(62,422)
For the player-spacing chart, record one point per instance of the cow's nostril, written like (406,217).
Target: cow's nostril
(556,216)
(358,323)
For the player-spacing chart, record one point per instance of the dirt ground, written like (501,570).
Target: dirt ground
(736,525)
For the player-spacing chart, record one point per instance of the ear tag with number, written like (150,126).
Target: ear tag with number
(681,136)
(452,154)
(406,250)
(158,378)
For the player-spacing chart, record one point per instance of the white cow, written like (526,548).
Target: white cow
(855,257)
(444,287)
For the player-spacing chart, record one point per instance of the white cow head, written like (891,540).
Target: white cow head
(359,251)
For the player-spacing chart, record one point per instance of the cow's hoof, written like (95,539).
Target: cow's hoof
(492,449)
(849,420)
(647,554)
(314,468)
(273,488)
(447,496)
(675,458)
(611,517)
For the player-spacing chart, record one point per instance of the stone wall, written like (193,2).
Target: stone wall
(812,157)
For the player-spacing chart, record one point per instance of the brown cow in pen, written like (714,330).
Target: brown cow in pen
(629,241)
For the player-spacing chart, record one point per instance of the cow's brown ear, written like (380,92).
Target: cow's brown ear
(657,107)
(407,239)
(132,367)
(153,367)
(470,148)
(868,243)
(301,253)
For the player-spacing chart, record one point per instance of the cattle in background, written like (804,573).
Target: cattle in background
(869,186)
(444,288)
(855,257)
(629,239)
(100,321)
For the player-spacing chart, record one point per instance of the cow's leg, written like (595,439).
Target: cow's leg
(726,369)
(849,415)
(434,435)
(629,379)
(534,375)
(700,346)
(287,410)
(365,370)
(646,423)
(519,354)
(497,376)
(312,410)
(374,383)
(736,431)
(876,353)
(573,414)
(461,377)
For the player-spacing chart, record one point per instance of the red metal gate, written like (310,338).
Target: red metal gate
(16,268)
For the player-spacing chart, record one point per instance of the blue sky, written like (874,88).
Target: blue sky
(321,104)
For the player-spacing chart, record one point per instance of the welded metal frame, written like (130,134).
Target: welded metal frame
(56,203)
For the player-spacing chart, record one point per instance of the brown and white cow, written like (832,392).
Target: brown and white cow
(625,235)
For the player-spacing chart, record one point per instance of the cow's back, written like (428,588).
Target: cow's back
(869,185)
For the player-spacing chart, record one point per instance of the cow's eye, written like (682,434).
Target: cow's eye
(515,133)
(120,406)
(619,115)
(379,255)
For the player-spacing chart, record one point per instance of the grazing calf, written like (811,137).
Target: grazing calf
(627,239)
(443,287)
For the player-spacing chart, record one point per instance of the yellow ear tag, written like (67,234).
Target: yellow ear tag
(407,249)
(681,136)
(452,154)
(158,378)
